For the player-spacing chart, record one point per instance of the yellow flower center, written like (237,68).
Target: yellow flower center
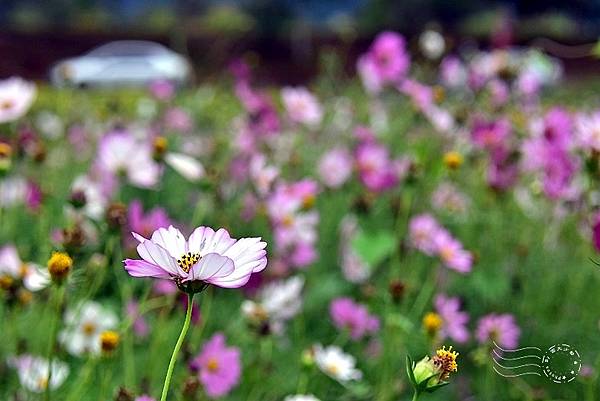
(308,201)
(6,282)
(88,328)
(188,260)
(109,340)
(453,160)
(5,150)
(288,221)
(59,265)
(333,369)
(7,104)
(212,365)
(42,383)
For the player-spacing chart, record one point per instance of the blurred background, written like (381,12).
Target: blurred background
(288,37)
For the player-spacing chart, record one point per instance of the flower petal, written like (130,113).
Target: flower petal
(205,240)
(249,256)
(157,255)
(211,266)
(172,240)
(141,268)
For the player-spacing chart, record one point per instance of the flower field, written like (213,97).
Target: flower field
(392,234)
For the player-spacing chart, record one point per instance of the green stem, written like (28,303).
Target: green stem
(415,396)
(58,295)
(184,329)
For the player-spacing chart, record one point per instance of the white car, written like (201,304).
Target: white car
(127,62)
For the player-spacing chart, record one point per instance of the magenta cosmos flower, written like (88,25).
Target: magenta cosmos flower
(501,329)
(207,257)
(346,314)
(218,366)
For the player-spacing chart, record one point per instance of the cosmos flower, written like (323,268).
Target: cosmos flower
(33,372)
(218,366)
(140,326)
(302,106)
(336,364)
(348,315)
(490,134)
(500,328)
(376,170)
(301,397)
(386,62)
(422,230)
(453,73)
(119,152)
(16,96)
(34,277)
(146,223)
(587,129)
(144,397)
(335,167)
(84,326)
(453,320)
(207,257)
(354,268)
(277,303)
(452,253)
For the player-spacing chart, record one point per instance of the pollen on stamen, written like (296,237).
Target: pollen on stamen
(188,260)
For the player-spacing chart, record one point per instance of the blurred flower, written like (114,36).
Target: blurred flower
(147,223)
(386,62)
(501,329)
(447,197)
(140,326)
(335,167)
(452,253)
(59,266)
(587,129)
(376,170)
(219,367)
(207,257)
(301,397)
(452,72)
(144,398)
(302,106)
(120,153)
(432,44)
(84,326)
(178,119)
(348,315)
(5,157)
(33,372)
(453,160)
(454,322)
(162,89)
(490,134)
(12,268)
(109,340)
(420,94)
(16,96)
(336,364)
(263,175)
(422,230)
(188,167)
(355,270)
(432,322)
(90,195)
(277,303)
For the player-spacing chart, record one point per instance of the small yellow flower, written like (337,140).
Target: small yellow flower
(160,145)
(453,160)
(445,361)
(59,265)
(5,154)
(432,322)
(439,94)
(6,282)
(109,340)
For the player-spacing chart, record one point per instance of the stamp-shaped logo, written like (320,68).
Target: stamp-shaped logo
(560,363)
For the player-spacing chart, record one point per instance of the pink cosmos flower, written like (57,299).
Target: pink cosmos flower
(302,106)
(120,153)
(377,172)
(490,134)
(335,167)
(16,96)
(219,367)
(140,326)
(420,94)
(162,89)
(422,231)
(587,128)
(207,257)
(177,119)
(455,321)
(452,72)
(346,314)
(499,328)
(387,61)
(452,253)
(146,223)
(144,398)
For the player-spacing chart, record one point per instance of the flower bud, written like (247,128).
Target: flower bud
(59,266)
(116,215)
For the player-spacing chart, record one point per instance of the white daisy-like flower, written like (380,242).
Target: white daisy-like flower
(277,302)
(16,96)
(34,277)
(33,372)
(336,364)
(84,326)
(301,397)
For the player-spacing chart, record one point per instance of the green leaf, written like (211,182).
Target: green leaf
(431,389)
(409,370)
(374,248)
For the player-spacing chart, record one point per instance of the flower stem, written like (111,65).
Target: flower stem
(184,329)
(57,295)
(415,396)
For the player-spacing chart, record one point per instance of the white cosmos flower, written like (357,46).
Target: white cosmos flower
(34,276)
(301,397)
(16,96)
(336,364)
(277,302)
(189,168)
(84,325)
(302,106)
(33,372)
